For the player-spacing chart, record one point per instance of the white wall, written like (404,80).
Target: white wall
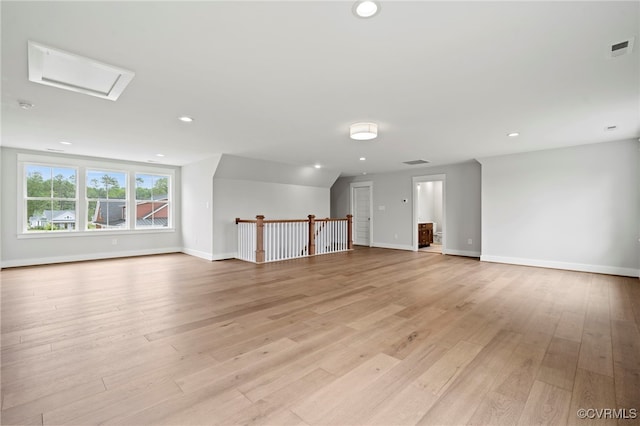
(390,189)
(246,199)
(244,188)
(430,203)
(58,248)
(197,207)
(573,208)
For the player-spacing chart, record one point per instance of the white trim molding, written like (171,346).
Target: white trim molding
(581,267)
(393,246)
(90,256)
(466,253)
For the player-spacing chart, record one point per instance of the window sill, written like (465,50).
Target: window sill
(95,233)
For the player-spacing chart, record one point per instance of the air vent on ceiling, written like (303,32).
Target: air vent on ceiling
(57,68)
(415,162)
(620,48)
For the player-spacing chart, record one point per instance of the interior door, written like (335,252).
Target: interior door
(362,215)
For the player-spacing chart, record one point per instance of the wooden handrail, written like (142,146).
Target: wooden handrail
(311,244)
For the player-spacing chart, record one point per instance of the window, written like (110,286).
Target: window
(51,198)
(107,199)
(87,197)
(152,201)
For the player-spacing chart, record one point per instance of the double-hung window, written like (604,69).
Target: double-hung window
(107,199)
(152,201)
(51,199)
(71,195)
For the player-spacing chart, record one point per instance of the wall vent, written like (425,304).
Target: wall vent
(620,48)
(415,162)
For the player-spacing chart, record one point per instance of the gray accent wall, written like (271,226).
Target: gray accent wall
(393,219)
(572,208)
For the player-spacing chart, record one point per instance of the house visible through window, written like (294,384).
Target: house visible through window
(87,197)
(107,199)
(152,201)
(51,198)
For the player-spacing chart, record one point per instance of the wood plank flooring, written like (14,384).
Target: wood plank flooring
(369,337)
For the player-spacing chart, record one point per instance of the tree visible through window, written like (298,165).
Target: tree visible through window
(152,201)
(51,198)
(107,199)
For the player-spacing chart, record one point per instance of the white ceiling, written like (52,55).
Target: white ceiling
(282,81)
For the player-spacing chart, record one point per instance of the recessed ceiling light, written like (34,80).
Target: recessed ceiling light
(362,158)
(363,131)
(366,8)
(55,150)
(159,155)
(317,166)
(364,173)
(65,143)
(513,134)
(185,119)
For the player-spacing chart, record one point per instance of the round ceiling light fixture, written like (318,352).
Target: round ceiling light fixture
(185,119)
(363,131)
(513,134)
(366,8)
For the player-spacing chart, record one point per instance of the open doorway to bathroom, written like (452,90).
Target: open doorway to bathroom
(429,217)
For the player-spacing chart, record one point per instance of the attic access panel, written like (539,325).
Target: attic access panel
(65,70)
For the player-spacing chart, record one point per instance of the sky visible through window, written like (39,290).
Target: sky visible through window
(47,172)
(97,175)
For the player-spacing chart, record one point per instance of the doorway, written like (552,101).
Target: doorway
(429,213)
(361,209)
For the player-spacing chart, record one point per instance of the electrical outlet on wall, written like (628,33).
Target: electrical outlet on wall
(469,241)
(114,241)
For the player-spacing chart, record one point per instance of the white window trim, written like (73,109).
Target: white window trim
(82,166)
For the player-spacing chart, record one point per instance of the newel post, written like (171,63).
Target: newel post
(312,235)
(260,239)
(349,231)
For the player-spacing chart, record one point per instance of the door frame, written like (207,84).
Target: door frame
(429,178)
(353,186)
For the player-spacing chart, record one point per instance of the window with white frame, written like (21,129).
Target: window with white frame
(106,199)
(72,195)
(51,198)
(152,201)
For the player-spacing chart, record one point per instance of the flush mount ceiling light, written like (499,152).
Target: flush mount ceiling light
(363,131)
(65,143)
(513,134)
(366,8)
(57,68)
(317,166)
(185,119)
(362,158)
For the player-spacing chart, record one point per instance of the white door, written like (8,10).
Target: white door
(362,215)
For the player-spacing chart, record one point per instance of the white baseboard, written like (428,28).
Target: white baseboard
(466,253)
(197,253)
(581,267)
(88,256)
(392,246)
(224,256)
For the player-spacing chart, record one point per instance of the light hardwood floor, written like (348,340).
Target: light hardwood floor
(373,336)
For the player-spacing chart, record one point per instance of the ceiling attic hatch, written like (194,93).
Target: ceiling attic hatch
(57,68)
